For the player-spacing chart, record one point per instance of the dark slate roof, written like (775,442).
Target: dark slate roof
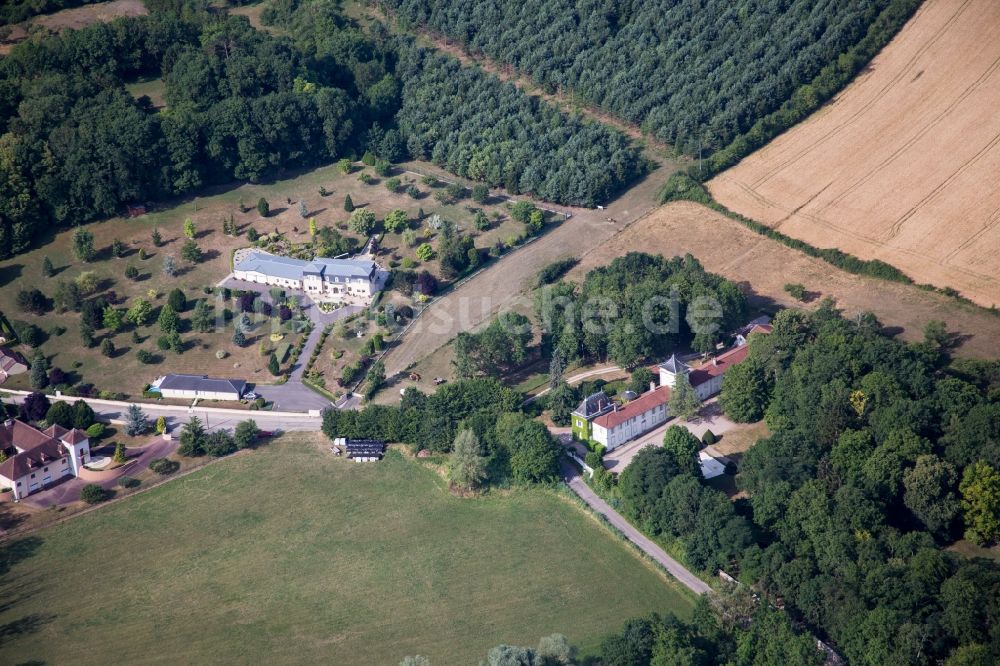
(202,383)
(594,405)
(675,365)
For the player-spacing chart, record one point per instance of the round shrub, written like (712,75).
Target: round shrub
(221,354)
(593,460)
(164,466)
(128,482)
(95,430)
(94,494)
(709,438)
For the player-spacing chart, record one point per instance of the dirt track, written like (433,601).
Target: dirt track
(902,165)
(502,284)
(764,266)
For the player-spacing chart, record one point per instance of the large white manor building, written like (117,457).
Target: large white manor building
(351,281)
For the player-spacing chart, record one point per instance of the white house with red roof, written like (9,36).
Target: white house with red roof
(39,458)
(706,379)
(625,423)
(622,423)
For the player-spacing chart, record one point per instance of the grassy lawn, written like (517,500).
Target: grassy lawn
(123,373)
(304,557)
(154,89)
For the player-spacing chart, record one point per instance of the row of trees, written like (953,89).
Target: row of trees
(729,627)
(476,126)
(694,73)
(479,419)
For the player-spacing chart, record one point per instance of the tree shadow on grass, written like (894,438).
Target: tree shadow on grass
(14,552)
(10,273)
(28,624)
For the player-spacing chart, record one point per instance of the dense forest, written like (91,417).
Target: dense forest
(881,454)
(638,307)
(241,105)
(247,105)
(693,73)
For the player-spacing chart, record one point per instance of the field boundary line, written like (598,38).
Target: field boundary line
(15,533)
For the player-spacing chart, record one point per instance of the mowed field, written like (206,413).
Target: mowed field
(762,267)
(902,166)
(290,552)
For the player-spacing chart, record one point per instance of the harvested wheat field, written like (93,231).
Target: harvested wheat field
(902,166)
(762,267)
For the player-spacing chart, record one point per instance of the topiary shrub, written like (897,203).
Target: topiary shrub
(96,430)
(709,438)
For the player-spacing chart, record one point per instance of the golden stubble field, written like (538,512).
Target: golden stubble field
(762,267)
(902,166)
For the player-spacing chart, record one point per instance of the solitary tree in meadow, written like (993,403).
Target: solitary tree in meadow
(467,466)
(83,245)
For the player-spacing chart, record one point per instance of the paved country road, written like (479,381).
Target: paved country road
(213,417)
(675,568)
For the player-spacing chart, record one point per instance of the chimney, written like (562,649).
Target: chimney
(9,423)
(652,386)
(715,361)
